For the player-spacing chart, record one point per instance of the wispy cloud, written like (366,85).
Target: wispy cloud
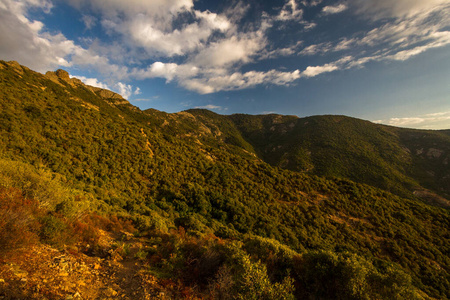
(153,98)
(206,51)
(290,11)
(439,120)
(211,107)
(328,10)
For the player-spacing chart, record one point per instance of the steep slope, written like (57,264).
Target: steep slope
(196,170)
(399,160)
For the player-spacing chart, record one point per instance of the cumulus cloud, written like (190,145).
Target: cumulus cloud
(230,51)
(92,82)
(328,10)
(28,42)
(206,51)
(24,40)
(126,90)
(210,82)
(150,24)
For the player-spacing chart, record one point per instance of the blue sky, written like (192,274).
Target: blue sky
(380,60)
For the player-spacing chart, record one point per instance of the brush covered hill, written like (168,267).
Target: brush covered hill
(217,213)
(399,160)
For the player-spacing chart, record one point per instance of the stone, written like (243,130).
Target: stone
(110,292)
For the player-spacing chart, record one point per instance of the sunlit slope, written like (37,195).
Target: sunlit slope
(203,172)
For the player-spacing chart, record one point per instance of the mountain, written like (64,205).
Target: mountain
(403,161)
(229,205)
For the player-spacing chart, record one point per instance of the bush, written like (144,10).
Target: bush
(55,231)
(277,257)
(39,184)
(18,220)
(254,283)
(327,275)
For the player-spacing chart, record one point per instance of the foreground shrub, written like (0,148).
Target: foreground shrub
(56,231)
(18,220)
(327,275)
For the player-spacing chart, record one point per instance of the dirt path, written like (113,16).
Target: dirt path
(45,273)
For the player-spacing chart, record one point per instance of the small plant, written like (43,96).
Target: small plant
(123,249)
(141,254)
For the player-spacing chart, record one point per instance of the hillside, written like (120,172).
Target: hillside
(402,161)
(216,214)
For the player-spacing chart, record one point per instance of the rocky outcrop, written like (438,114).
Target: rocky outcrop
(61,76)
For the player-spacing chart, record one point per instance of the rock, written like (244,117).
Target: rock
(81,283)
(110,292)
(64,75)
(434,153)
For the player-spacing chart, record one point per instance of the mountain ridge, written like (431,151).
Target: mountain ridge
(195,187)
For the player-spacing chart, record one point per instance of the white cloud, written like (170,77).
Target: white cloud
(290,12)
(344,44)
(144,32)
(169,71)
(24,40)
(286,51)
(377,9)
(328,10)
(150,24)
(441,39)
(126,90)
(92,82)
(205,51)
(28,42)
(211,107)
(316,49)
(439,120)
(438,114)
(410,28)
(156,97)
(230,51)
(210,83)
(89,21)
(314,71)
(311,2)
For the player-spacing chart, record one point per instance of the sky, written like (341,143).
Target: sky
(380,60)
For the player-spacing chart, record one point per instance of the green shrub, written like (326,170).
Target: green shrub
(327,275)
(55,231)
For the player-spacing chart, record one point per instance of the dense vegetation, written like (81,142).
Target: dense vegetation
(196,184)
